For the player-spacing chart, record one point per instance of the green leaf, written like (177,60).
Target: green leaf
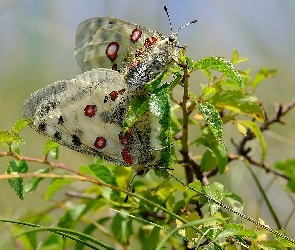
(122,228)
(56,185)
(257,132)
(17,167)
(51,148)
(33,182)
(208,161)
(19,125)
(71,216)
(190,62)
(215,191)
(262,75)
(9,137)
(136,109)
(239,102)
(288,168)
(221,65)
(237,59)
(214,146)
(188,193)
(208,90)
(103,173)
(235,202)
(212,118)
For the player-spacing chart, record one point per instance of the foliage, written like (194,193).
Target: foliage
(164,214)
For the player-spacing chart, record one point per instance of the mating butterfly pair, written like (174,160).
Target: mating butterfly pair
(86,114)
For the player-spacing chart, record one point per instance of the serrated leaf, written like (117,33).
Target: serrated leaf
(212,118)
(188,193)
(136,109)
(17,167)
(33,182)
(235,202)
(19,125)
(239,102)
(257,132)
(51,148)
(9,137)
(215,191)
(221,65)
(71,216)
(56,185)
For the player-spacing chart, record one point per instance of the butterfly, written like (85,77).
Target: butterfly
(86,114)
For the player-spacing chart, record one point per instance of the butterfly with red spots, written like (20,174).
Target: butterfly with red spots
(86,114)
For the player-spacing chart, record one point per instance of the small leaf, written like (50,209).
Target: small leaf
(55,185)
(137,108)
(188,193)
(288,168)
(71,216)
(235,202)
(263,74)
(19,125)
(257,132)
(218,150)
(208,161)
(215,191)
(237,59)
(121,228)
(103,173)
(51,148)
(17,167)
(9,137)
(239,102)
(212,118)
(221,65)
(190,62)
(33,182)
(241,129)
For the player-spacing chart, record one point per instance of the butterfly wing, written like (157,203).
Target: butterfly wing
(86,115)
(107,42)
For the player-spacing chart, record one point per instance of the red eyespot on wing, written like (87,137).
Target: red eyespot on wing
(127,138)
(90,110)
(149,42)
(126,154)
(112,50)
(121,92)
(100,142)
(113,95)
(136,34)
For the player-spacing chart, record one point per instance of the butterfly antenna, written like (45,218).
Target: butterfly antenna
(194,21)
(167,13)
(269,229)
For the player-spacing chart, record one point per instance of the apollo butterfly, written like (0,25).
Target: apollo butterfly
(86,114)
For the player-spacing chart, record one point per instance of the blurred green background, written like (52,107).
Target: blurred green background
(37,48)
